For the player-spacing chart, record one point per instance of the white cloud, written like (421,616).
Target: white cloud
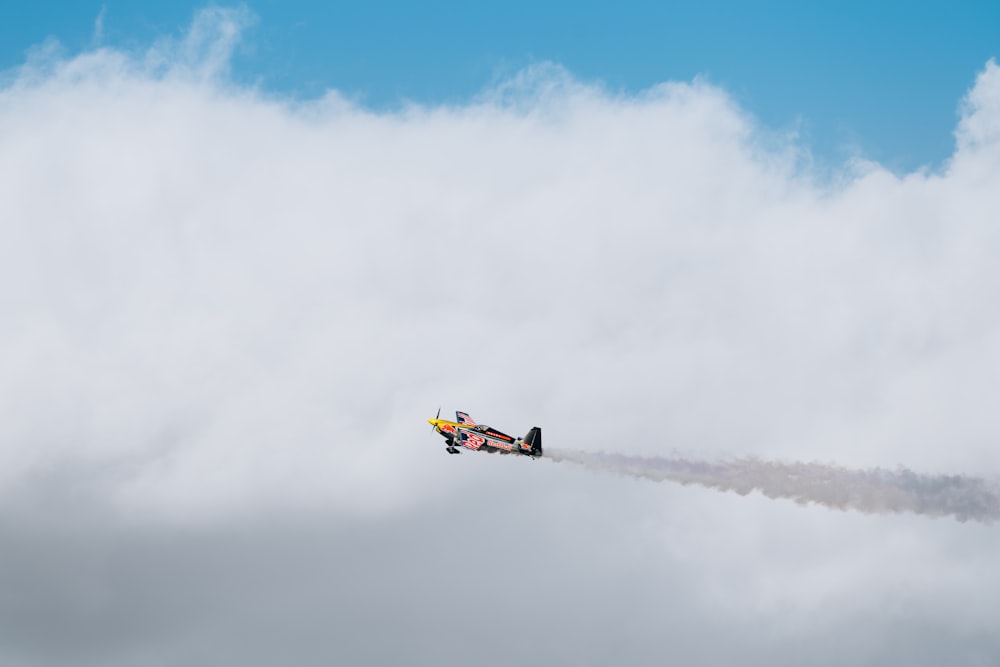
(226,297)
(979,129)
(222,306)
(98,35)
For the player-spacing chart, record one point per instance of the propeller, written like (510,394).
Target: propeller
(449,439)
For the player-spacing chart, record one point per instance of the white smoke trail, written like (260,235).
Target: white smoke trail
(875,490)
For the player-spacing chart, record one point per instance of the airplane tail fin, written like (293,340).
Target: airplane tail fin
(534,440)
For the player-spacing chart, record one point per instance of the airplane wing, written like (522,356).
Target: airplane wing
(464,419)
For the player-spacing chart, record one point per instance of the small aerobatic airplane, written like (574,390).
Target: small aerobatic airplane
(463,432)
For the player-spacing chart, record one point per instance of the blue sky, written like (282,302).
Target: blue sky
(885,78)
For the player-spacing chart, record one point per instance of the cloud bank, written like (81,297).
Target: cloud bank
(209,292)
(226,316)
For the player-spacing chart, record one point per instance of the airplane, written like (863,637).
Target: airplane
(463,432)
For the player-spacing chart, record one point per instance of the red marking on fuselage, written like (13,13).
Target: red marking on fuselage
(474,441)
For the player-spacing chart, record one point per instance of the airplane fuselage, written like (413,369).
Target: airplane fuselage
(484,438)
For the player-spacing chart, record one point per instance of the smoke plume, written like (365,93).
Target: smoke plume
(875,490)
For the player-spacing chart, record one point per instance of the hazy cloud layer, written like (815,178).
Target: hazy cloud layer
(226,316)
